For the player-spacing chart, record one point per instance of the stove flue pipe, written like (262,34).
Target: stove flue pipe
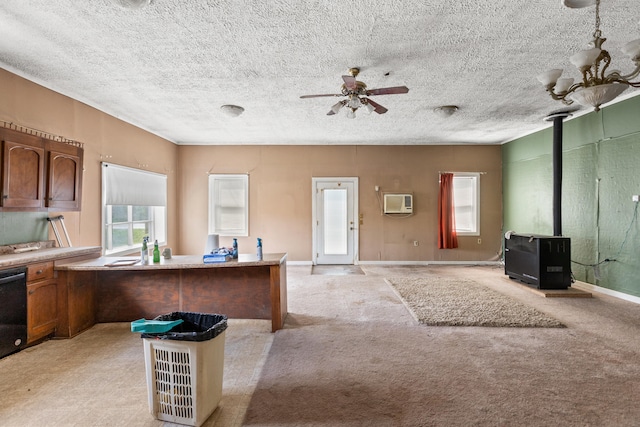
(557,119)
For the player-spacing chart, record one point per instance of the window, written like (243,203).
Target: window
(133,206)
(229,205)
(466,200)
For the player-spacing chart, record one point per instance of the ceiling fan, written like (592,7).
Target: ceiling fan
(357,93)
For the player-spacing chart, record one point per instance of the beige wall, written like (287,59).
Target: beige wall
(105,138)
(281,197)
(280,182)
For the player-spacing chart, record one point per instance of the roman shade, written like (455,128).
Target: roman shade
(127,186)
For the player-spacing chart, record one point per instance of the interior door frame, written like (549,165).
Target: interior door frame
(354,220)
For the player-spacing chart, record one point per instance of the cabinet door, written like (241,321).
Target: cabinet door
(63,185)
(82,303)
(22,175)
(42,309)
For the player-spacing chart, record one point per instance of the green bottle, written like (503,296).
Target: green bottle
(156,252)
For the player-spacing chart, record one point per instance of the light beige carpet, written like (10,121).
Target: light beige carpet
(446,301)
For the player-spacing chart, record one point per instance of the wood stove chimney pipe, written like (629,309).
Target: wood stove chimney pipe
(557,119)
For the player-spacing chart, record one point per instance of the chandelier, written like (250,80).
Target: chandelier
(597,87)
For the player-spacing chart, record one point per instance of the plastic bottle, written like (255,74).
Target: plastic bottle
(234,254)
(144,252)
(156,252)
(259,249)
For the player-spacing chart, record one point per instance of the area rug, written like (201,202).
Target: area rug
(445,301)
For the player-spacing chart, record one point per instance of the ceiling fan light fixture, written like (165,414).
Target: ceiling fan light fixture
(357,94)
(232,110)
(337,107)
(370,108)
(595,87)
(354,102)
(446,110)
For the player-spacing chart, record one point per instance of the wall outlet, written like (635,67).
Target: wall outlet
(416,243)
(479,241)
(635,198)
(377,188)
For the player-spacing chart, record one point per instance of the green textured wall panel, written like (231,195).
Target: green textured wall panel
(601,171)
(527,189)
(618,221)
(580,207)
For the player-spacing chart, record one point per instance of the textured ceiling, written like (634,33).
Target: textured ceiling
(168,67)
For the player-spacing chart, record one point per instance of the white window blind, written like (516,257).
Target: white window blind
(126,186)
(229,205)
(466,195)
(133,207)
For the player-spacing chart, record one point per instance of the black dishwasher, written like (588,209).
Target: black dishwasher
(13,310)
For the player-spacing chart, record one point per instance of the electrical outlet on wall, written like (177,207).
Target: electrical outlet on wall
(416,243)
(635,198)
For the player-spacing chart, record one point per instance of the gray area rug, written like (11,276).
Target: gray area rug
(445,301)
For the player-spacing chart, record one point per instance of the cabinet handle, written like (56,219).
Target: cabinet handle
(31,292)
(39,271)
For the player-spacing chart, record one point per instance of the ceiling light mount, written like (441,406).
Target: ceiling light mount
(232,110)
(577,4)
(597,87)
(446,110)
(132,4)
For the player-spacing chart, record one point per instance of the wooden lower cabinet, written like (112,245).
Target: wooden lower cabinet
(42,301)
(81,300)
(76,298)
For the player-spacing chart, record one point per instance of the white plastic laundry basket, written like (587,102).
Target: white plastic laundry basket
(184,378)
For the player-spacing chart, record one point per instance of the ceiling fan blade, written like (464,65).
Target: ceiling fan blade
(388,90)
(319,96)
(350,82)
(377,107)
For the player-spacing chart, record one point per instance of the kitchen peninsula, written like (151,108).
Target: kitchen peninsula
(245,288)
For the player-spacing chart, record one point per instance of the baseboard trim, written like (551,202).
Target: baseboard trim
(497,263)
(595,288)
(409,263)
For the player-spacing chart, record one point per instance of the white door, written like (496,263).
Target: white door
(335,222)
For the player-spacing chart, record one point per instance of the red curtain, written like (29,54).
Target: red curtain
(447,237)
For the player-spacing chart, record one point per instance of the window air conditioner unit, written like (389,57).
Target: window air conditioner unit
(398,203)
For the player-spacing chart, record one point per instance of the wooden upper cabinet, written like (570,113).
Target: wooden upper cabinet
(64,176)
(38,173)
(22,174)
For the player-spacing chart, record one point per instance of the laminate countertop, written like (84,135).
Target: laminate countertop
(44,255)
(176,262)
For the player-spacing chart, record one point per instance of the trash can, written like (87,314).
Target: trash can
(184,367)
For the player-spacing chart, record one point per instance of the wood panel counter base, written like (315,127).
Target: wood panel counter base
(244,290)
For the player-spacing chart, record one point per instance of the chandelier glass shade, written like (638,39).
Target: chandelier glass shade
(597,86)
